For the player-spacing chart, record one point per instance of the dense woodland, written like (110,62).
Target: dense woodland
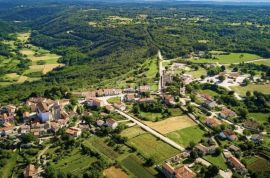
(101,41)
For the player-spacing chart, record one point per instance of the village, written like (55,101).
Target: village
(224,133)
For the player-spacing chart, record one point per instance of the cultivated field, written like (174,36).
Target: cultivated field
(114,172)
(257,164)
(135,166)
(186,135)
(171,124)
(150,146)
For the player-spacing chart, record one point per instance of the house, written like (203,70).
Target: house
(166,79)
(31,171)
(74,132)
(186,79)
(205,150)
(100,123)
(94,102)
(55,126)
(129,90)
(180,172)
(228,134)
(110,92)
(234,148)
(206,97)
(109,108)
(212,122)
(252,125)
(6,118)
(8,130)
(111,123)
(26,117)
(256,138)
(43,111)
(210,104)
(236,164)
(144,89)
(227,113)
(120,106)
(129,97)
(144,100)
(24,129)
(169,100)
(11,109)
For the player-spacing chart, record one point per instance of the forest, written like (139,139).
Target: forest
(99,41)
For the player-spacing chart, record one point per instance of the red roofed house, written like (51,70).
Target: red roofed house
(129,97)
(212,122)
(236,164)
(31,171)
(226,113)
(228,134)
(74,132)
(94,102)
(120,106)
(181,172)
(111,123)
(169,99)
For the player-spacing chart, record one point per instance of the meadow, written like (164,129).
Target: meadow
(241,90)
(187,135)
(218,161)
(228,58)
(257,164)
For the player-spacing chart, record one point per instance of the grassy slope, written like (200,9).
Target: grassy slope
(252,87)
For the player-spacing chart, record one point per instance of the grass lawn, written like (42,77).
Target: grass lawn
(6,170)
(151,74)
(228,59)
(209,92)
(175,112)
(150,146)
(257,164)
(198,73)
(150,116)
(218,161)
(252,87)
(114,100)
(135,166)
(266,62)
(259,117)
(187,135)
(132,132)
(74,162)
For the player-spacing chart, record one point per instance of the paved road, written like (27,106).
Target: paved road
(153,132)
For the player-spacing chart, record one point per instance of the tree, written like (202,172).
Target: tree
(211,171)
(243,112)
(221,78)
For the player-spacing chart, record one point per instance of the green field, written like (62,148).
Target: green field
(6,170)
(265,62)
(198,73)
(135,166)
(132,132)
(151,74)
(228,59)
(209,92)
(252,87)
(150,116)
(74,162)
(218,161)
(114,100)
(175,112)
(150,146)
(99,144)
(186,135)
(257,164)
(259,117)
